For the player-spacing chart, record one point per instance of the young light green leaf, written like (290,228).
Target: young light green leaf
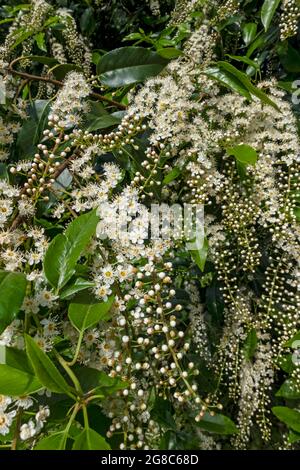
(243,153)
(55,441)
(174,173)
(90,440)
(84,315)
(218,424)
(267,12)
(44,369)
(65,249)
(16,382)
(250,344)
(128,65)
(12,293)
(200,255)
(288,416)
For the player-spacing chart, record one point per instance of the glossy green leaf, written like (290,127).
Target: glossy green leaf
(228,80)
(44,368)
(243,153)
(65,249)
(242,77)
(90,440)
(12,293)
(102,122)
(245,60)
(91,379)
(78,285)
(288,416)
(128,65)
(40,41)
(267,12)
(249,32)
(84,315)
(218,424)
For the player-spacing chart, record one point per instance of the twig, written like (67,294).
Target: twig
(58,83)
(14,443)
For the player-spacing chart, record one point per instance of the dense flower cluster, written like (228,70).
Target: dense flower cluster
(161,336)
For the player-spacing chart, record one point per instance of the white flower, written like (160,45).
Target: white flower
(6,420)
(108,274)
(24,402)
(50,326)
(27,430)
(4,402)
(42,415)
(103,292)
(45,298)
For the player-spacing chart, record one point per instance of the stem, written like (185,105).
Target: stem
(70,373)
(67,428)
(14,443)
(46,79)
(85,417)
(71,363)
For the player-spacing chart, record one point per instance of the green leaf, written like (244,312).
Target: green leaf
(55,441)
(249,32)
(84,315)
(102,122)
(228,80)
(78,285)
(94,379)
(15,382)
(44,369)
(128,65)
(200,255)
(218,424)
(250,344)
(289,58)
(169,52)
(65,249)
(61,70)
(88,21)
(294,338)
(40,41)
(288,416)
(289,389)
(42,59)
(243,153)
(267,12)
(245,60)
(90,440)
(174,173)
(293,437)
(12,293)
(242,77)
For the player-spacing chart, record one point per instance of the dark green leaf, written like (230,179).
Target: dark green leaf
(169,52)
(102,122)
(267,12)
(128,65)
(12,293)
(218,424)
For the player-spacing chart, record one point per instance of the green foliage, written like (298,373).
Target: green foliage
(12,292)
